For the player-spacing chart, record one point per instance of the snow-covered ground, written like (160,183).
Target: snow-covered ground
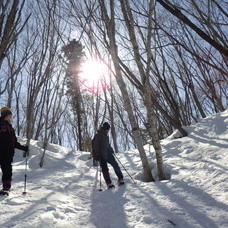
(64,194)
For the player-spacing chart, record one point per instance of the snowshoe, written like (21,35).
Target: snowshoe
(110,186)
(4,193)
(121,182)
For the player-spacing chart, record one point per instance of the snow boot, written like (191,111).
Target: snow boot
(4,192)
(6,186)
(110,186)
(121,182)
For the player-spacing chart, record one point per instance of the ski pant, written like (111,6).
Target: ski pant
(104,165)
(6,167)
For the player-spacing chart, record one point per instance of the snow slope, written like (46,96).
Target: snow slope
(64,193)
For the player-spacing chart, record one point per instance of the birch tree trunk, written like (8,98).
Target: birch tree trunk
(110,26)
(146,91)
(152,119)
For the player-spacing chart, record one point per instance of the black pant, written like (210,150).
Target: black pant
(6,167)
(104,165)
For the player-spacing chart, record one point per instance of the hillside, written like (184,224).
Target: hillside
(64,193)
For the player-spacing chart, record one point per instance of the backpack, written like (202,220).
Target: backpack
(93,140)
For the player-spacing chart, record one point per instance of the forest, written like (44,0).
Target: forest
(147,67)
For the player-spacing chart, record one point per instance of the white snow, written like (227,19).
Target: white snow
(64,193)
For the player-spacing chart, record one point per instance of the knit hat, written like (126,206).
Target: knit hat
(5,111)
(106,126)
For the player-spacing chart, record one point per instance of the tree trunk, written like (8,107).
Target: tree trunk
(134,125)
(110,26)
(151,116)
(195,97)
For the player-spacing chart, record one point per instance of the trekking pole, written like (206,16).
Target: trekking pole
(125,169)
(26,168)
(100,190)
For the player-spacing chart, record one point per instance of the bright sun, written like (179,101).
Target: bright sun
(95,76)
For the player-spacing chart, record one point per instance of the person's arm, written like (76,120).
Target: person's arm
(17,145)
(111,149)
(104,144)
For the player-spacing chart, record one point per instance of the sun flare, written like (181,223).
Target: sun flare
(95,75)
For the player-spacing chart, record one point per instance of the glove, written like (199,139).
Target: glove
(111,150)
(97,158)
(26,151)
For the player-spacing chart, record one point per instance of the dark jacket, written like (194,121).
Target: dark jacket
(101,146)
(8,140)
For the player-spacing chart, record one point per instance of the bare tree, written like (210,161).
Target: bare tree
(177,13)
(11,26)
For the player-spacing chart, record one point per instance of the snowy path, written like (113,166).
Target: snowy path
(70,198)
(64,195)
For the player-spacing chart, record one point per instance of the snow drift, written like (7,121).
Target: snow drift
(64,193)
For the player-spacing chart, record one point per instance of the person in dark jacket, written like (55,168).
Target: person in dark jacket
(8,142)
(103,152)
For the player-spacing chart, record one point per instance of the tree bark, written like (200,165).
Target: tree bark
(110,26)
(129,20)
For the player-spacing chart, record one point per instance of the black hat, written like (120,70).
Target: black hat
(106,126)
(5,111)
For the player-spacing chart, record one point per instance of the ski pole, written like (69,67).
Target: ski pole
(125,169)
(25,181)
(100,177)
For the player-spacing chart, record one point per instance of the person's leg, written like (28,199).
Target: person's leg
(6,167)
(112,161)
(105,171)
